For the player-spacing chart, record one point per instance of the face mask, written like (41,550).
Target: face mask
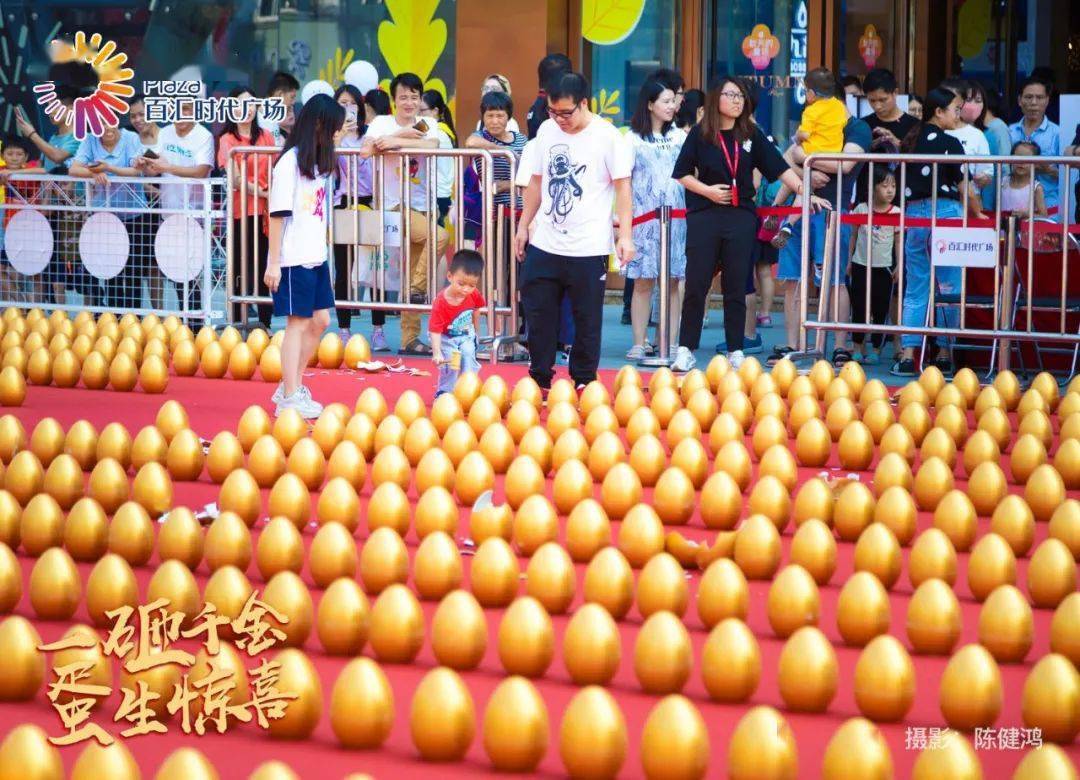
(970,112)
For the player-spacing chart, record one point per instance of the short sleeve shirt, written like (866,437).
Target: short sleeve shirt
(195,148)
(122,155)
(451,320)
(708,163)
(303,202)
(65,143)
(578,172)
(385,125)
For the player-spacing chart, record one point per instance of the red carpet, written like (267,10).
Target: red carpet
(217,405)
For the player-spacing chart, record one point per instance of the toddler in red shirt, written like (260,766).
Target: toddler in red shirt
(455,320)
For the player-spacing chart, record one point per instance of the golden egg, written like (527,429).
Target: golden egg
(813,443)
(884,680)
(1065,628)
(856,446)
(604,453)
(930,381)
(153,489)
(460,440)
(814,549)
(853,511)
(734,460)
(980,448)
(1069,405)
(641,535)
(601,419)
(1051,573)
(720,502)
(609,582)
(1066,461)
(1051,699)
(1044,491)
(289,497)
(10,520)
(949,755)
(836,390)
(288,429)
(214,360)
(55,586)
(279,548)
(484,413)
(725,428)
(240,494)
(932,481)
(328,432)
(371,404)
(1014,522)
(808,672)
(112,761)
(181,538)
(297,675)
(648,459)
(494,573)
(526,389)
(571,445)
(27,752)
(342,620)
(762,745)
(185,360)
(86,530)
(171,419)
(757,547)
(254,424)
(491,520)
(1037,423)
(592,737)
(332,555)
(436,511)
(227,591)
(771,405)
(572,484)
(863,610)
(339,503)
(515,726)
(821,374)
(932,556)
(627,401)
(64,480)
(1064,525)
(970,694)
(224,456)
(1008,388)
(38,371)
(184,458)
(23,670)
(897,439)
(1006,624)
(702,404)
(718,367)
(391,465)
(131,534)
(12,437)
(347,461)
(673,497)
(47,440)
(933,618)
(857,749)
(473,477)
(767,432)
(437,568)
(41,525)
(384,560)
(799,387)
(526,641)
(289,596)
(13,382)
(442,717)
(682,425)
(736,404)
(662,654)
(10,580)
(770,498)
(497,446)
(1030,401)
(389,508)
(991,563)
(1045,762)
(878,552)
(951,395)
(793,601)
(995,422)
(24,476)
(361,432)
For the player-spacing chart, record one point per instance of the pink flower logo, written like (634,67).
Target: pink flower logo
(760,46)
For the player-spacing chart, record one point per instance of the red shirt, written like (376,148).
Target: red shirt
(448,319)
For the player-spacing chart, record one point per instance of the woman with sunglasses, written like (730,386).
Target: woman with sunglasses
(716,166)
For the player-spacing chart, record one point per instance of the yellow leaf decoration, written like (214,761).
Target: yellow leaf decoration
(333,72)
(607,22)
(606,104)
(413,39)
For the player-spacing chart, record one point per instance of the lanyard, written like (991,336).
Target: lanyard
(732,166)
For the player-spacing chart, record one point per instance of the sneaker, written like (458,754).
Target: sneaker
(736,359)
(579,387)
(378,341)
(764,320)
(903,367)
(563,357)
(684,360)
(278,395)
(306,395)
(307,408)
(344,334)
(636,352)
(944,364)
(751,346)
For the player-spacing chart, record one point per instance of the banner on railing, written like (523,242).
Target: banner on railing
(964,247)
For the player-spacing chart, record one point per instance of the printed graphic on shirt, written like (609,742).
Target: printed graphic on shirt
(312,202)
(462,324)
(563,187)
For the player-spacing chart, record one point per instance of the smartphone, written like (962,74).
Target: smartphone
(95,164)
(350,114)
(421,125)
(150,154)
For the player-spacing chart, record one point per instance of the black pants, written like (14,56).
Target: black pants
(545,278)
(881,289)
(256,265)
(627,295)
(717,240)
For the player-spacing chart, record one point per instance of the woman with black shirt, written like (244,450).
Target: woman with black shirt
(721,221)
(941,108)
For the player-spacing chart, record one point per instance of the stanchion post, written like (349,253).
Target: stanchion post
(1005,348)
(663,349)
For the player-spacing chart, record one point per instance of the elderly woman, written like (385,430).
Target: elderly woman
(496,82)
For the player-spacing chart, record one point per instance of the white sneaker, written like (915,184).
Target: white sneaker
(307,408)
(684,360)
(636,352)
(279,394)
(306,394)
(736,358)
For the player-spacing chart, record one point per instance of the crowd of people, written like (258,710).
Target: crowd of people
(701,153)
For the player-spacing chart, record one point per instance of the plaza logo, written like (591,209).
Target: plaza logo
(90,115)
(964,246)
(760,46)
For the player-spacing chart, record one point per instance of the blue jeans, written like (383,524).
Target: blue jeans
(466,345)
(790,268)
(917,271)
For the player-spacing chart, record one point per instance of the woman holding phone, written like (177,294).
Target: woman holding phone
(353,184)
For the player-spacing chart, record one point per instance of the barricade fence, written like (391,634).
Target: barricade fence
(123,244)
(995,261)
(386,257)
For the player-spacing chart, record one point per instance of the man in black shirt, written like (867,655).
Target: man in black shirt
(551,66)
(888,123)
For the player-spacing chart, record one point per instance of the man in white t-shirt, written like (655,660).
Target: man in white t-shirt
(186,155)
(405,129)
(579,166)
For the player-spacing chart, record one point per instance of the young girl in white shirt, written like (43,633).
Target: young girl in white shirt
(297,271)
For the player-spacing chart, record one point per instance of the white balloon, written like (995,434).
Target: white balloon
(362,75)
(316,87)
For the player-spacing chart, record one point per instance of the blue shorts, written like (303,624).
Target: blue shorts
(791,255)
(303,291)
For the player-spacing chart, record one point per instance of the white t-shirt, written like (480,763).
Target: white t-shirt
(195,148)
(384,125)
(578,173)
(974,142)
(305,205)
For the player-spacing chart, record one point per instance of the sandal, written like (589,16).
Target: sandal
(416,347)
(778,354)
(840,357)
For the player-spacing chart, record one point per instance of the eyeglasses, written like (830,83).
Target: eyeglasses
(562,114)
(733,95)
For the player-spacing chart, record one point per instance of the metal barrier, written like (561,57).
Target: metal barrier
(73,244)
(377,230)
(663,325)
(980,276)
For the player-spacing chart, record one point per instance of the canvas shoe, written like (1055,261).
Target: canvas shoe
(684,360)
(736,358)
(307,408)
